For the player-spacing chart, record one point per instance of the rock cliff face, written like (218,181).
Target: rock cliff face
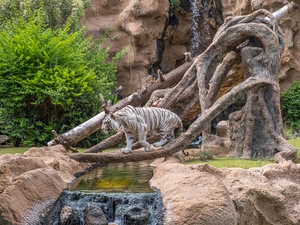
(156,36)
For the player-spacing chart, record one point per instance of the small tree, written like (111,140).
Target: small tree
(49,78)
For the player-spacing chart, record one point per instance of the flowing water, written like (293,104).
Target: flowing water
(118,193)
(201,35)
(77,208)
(194,28)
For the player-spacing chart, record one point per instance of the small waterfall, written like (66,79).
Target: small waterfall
(194,28)
(79,208)
(117,193)
(201,35)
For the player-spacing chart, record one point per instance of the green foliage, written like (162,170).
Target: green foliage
(291,106)
(175,4)
(296,143)
(50,79)
(56,12)
(206,155)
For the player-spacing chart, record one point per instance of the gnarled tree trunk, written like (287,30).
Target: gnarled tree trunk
(85,129)
(257,129)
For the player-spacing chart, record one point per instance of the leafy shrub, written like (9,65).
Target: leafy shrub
(291,106)
(55,12)
(206,155)
(175,4)
(50,79)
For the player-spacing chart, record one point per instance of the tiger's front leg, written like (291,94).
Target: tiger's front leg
(130,138)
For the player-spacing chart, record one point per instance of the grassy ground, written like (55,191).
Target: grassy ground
(216,162)
(242,163)
(296,143)
(14,150)
(233,162)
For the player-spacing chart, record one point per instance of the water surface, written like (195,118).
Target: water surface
(130,177)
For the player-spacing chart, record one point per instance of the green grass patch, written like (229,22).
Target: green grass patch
(296,143)
(21,150)
(13,150)
(233,162)
(244,163)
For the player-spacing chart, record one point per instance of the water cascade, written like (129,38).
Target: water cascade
(201,34)
(194,28)
(118,193)
(79,208)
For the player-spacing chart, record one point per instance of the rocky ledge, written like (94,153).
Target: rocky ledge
(202,194)
(198,194)
(32,181)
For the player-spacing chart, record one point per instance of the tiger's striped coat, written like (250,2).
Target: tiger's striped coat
(137,122)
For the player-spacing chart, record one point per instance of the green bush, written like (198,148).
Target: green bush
(56,12)
(291,106)
(50,79)
(206,155)
(175,4)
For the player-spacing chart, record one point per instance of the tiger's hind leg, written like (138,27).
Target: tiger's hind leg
(165,138)
(130,138)
(142,137)
(161,142)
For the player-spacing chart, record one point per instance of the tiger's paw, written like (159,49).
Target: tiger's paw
(126,150)
(147,149)
(160,143)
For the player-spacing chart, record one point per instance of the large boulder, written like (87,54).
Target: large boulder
(191,196)
(3,139)
(202,194)
(31,182)
(265,195)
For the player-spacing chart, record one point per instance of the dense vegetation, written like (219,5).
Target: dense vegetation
(291,107)
(50,77)
(55,12)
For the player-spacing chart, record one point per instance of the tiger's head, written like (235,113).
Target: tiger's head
(109,123)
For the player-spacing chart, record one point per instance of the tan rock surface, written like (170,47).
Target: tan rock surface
(32,181)
(192,197)
(201,194)
(154,41)
(198,194)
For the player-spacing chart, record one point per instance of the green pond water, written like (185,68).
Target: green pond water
(131,177)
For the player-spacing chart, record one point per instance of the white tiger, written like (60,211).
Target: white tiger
(137,122)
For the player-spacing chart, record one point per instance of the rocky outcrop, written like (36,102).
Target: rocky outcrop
(3,139)
(197,194)
(155,36)
(136,26)
(202,194)
(192,197)
(29,183)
